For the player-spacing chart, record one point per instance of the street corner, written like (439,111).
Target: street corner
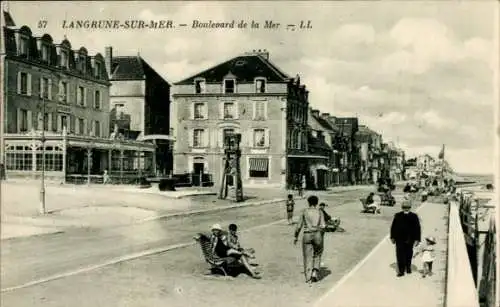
(13,231)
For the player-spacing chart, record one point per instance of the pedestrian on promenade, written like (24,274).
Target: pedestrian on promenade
(427,252)
(313,223)
(290,204)
(405,234)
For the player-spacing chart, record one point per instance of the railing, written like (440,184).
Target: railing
(460,286)
(487,286)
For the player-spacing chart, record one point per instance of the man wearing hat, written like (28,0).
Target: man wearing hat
(405,234)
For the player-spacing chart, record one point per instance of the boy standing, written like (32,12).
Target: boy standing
(290,204)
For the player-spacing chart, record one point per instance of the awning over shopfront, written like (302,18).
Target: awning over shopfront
(259,164)
(322,167)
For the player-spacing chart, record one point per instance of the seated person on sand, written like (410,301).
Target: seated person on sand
(221,247)
(235,245)
(371,203)
(331,223)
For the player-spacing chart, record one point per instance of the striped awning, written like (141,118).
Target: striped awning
(259,164)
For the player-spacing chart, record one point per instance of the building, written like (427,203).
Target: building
(140,105)
(349,165)
(320,142)
(249,95)
(63,92)
(365,138)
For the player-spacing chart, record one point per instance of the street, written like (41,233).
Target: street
(176,277)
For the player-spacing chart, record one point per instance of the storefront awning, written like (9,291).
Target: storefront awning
(259,164)
(322,167)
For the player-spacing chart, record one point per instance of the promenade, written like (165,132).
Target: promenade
(373,282)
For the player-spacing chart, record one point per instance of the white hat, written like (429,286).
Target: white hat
(216,227)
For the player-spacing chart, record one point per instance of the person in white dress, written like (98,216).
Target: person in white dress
(427,258)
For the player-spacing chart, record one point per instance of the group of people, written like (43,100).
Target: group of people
(314,221)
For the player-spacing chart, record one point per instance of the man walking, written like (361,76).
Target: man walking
(405,234)
(313,223)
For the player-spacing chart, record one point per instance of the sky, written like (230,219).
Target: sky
(422,74)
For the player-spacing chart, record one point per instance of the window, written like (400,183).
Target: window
(46,122)
(53,160)
(198,136)
(258,167)
(260,110)
(199,110)
(81,96)
(225,134)
(228,110)
(259,138)
(23,46)
(64,59)
(23,84)
(63,91)
(260,86)
(199,86)
(229,86)
(97,69)
(81,63)
(97,128)
(45,53)
(81,126)
(97,100)
(19,159)
(23,125)
(64,123)
(44,88)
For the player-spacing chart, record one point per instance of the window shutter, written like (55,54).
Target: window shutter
(206,139)
(221,110)
(77,125)
(85,91)
(85,127)
(191,136)
(236,110)
(254,110)
(19,82)
(100,100)
(29,84)
(78,95)
(39,121)
(50,89)
(191,110)
(267,141)
(220,138)
(72,124)
(205,110)
(265,109)
(19,119)
(40,88)
(30,120)
(59,123)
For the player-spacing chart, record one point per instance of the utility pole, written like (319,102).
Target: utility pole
(42,180)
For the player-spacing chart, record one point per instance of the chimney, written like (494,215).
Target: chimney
(332,118)
(325,116)
(315,112)
(260,52)
(108,59)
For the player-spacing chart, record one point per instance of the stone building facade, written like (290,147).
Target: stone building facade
(63,92)
(248,95)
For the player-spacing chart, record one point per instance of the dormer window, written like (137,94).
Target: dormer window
(229,86)
(23,46)
(260,85)
(199,86)
(64,59)
(81,63)
(97,69)
(45,53)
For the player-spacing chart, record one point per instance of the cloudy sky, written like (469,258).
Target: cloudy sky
(420,73)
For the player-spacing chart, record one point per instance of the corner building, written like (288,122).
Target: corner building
(248,95)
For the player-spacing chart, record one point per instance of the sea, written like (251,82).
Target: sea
(478,178)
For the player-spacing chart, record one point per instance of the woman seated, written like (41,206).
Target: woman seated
(223,248)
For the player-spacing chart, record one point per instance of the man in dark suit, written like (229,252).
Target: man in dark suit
(405,234)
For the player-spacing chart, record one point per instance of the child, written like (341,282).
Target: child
(290,204)
(427,251)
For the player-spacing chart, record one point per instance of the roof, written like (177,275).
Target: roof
(8,20)
(245,68)
(127,68)
(322,122)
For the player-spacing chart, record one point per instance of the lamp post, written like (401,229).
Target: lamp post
(42,181)
(89,146)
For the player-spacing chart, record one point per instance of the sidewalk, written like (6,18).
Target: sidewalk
(373,282)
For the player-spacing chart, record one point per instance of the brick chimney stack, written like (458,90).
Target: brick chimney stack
(315,112)
(108,59)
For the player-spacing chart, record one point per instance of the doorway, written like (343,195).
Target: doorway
(198,168)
